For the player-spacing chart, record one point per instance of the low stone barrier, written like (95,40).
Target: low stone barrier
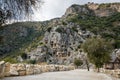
(114,73)
(21,69)
(2,66)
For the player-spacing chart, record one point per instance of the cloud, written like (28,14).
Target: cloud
(56,8)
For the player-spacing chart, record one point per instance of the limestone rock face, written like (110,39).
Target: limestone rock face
(60,44)
(76,9)
(104,10)
(100,10)
(102,13)
(93,6)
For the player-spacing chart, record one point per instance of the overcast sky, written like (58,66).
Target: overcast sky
(56,8)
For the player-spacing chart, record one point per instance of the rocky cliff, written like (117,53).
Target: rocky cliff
(58,41)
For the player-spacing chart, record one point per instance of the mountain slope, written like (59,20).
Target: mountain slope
(58,40)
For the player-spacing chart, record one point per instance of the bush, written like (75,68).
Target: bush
(49,29)
(77,62)
(60,30)
(32,62)
(24,55)
(11,60)
(79,46)
(74,29)
(41,43)
(64,23)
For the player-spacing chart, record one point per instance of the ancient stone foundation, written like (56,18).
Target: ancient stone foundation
(21,69)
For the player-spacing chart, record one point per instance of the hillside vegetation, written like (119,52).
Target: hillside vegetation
(17,37)
(107,27)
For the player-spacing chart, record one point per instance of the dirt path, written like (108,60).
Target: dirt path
(65,75)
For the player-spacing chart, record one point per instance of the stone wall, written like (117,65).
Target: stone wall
(2,68)
(113,73)
(21,69)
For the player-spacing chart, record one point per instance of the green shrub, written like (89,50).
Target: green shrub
(32,62)
(64,23)
(49,29)
(11,60)
(24,55)
(41,43)
(77,62)
(79,46)
(60,30)
(74,29)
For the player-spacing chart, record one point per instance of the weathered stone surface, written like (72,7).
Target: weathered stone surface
(21,67)
(7,69)
(13,70)
(61,44)
(2,68)
(37,69)
(22,72)
(29,69)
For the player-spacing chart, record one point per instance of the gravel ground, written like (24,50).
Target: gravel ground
(65,75)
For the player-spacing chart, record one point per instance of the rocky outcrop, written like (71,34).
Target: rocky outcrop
(76,9)
(21,69)
(60,44)
(100,10)
(104,10)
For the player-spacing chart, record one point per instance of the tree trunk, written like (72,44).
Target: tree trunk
(87,65)
(98,70)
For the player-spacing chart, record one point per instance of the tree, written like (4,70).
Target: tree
(87,64)
(17,9)
(98,51)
